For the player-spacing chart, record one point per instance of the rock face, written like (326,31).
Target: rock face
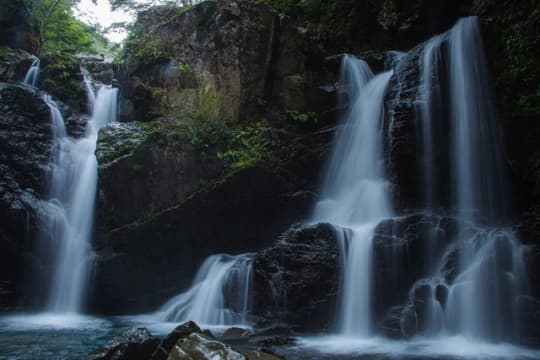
(242,212)
(230,59)
(14,64)
(404,251)
(99,67)
(132,344)
(145,168)
(403,144)
(25,146)
(296,281)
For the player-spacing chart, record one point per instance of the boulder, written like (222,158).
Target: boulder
(200,346)
(166,345)
(296,280)
(132,344)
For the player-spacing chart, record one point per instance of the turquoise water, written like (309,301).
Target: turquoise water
(62,337)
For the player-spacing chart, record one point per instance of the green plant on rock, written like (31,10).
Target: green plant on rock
(205,132)
(206,124)
(249,145)
(302,117)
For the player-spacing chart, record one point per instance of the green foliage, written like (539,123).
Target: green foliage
(60,79)
(142,45)
(302,118)
(206,132)
(512,37)
(184,66)
(249,145)
(53,26)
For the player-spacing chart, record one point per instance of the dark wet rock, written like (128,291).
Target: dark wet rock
(25,148)
(296,280)
(133,344)
(99,67)
(76,125)
(148,167)
(241,212)
(198,346)
(61,76)
(181,331)
(400,323)
(272,340)
(14,63)
(404,250)
(235,333)
(403,142)
(528,310)
(25,134)
(260,354)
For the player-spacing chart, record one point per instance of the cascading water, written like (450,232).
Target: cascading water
(478,300)
(32,74)
(220,294)
(355,194)
(72,194)
(430,98)
(474,282)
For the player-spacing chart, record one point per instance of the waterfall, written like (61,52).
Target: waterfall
(479,299)
(220,293)
(429,98)
(470,282)
(69,219)
(355,193)
(32,74)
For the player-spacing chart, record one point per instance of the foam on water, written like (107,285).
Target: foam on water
(436,347)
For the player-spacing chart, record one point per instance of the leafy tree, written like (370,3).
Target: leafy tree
(51,24)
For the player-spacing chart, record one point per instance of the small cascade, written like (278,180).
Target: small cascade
(220,293)
(32,74)
(355,194)
(69,219)
(90,93)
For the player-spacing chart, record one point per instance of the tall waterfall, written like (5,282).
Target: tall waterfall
(32,75)
(355,194)
(220,293)
(473,282)
(490,265)
(69,220)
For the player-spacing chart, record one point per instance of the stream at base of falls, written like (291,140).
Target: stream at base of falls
(44,336)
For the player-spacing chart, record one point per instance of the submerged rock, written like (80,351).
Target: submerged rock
(296,280)
(132,344)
